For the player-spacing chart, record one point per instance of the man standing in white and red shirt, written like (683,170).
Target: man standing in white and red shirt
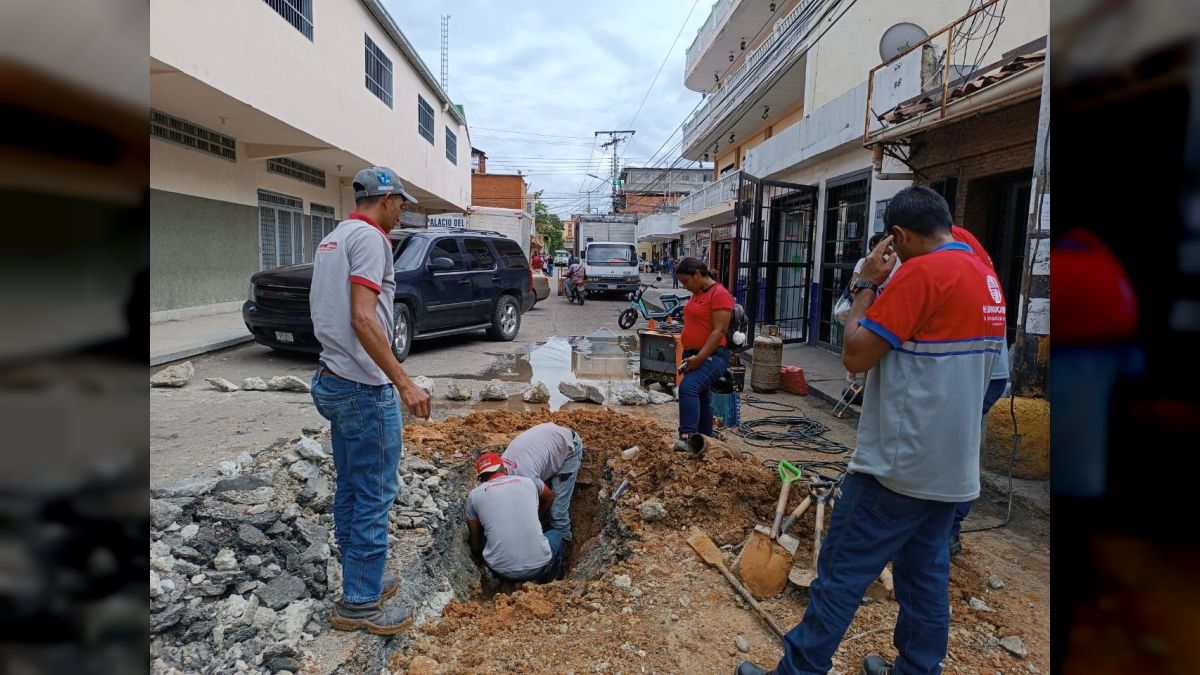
(355,388)
(929,345)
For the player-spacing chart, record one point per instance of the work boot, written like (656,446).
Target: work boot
(391,584)
(875,665)
(373,617)
(747,668)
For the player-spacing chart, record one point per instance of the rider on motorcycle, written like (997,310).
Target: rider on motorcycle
(576,273)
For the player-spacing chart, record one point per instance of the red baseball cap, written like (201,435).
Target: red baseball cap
(487,463)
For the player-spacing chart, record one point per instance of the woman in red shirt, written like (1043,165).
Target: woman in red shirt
(706,358)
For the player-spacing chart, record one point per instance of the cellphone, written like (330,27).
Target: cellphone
(682,367)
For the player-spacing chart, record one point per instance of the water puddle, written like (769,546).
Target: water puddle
(603,358)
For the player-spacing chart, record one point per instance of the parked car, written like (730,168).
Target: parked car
(541,287)
(448,281)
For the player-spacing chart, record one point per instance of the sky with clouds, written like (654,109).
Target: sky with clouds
(539,77)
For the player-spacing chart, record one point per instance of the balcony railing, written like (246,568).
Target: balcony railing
(790,38)
(716,18)
(720,192)
(658,226)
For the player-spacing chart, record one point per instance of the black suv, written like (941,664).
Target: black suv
(447,282)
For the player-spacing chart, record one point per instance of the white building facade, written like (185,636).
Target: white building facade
(261,114)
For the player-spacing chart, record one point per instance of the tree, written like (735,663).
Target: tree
(547,224)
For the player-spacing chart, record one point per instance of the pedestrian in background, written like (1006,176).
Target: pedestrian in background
(355,386)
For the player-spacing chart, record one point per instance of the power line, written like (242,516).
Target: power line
(661,65)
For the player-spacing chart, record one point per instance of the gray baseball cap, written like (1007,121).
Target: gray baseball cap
(379,180)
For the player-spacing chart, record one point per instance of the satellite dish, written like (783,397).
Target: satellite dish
(899,38)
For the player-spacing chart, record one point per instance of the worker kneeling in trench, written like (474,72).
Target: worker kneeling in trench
(504,524)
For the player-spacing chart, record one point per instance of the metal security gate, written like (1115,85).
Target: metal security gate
(844,243)
(776,223)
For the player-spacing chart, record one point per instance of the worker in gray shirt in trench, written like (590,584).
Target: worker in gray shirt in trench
(550,453)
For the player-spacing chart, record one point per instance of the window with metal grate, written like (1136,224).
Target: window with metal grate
(322,221)
(280,230)
(451,146)
(182,132)
(296,12)
(379,72)
(424,119)
(298,170)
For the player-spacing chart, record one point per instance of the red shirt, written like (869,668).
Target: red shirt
(965,236)
(697,315)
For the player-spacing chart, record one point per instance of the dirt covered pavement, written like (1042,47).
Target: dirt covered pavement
(637,599)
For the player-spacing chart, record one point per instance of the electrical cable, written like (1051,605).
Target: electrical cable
(789,432)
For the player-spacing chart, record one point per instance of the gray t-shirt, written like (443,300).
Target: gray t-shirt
(539,452)
(507,508)
(356,252)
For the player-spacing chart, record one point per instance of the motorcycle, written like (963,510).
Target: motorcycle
(672,307)
(575,292)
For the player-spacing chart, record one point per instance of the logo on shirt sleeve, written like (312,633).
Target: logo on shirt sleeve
(994,289)
(327,246)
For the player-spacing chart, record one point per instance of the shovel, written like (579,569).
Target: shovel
(804,578)
(767,554)
(708,551)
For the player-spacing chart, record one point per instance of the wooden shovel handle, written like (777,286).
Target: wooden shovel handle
(795,514)
(737,585)
(779,507)
(817,534)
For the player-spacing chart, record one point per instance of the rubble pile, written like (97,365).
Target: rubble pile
(243,571)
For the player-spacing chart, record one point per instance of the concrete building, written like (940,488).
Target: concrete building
(261,113)
(783,120)
(654,190)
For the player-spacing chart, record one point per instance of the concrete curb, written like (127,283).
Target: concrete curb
(160,358)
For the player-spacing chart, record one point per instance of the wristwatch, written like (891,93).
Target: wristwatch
(861,283)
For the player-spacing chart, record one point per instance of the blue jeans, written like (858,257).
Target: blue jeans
(563,485)
(695,393)
(994,391)
(547,572)
(870,526)
(367,445)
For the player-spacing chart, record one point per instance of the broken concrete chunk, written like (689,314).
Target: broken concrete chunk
(995,583)
(173,376)
(458,392)
(633,396)
(659,398)
(254,384)
(1014,646)
(494,391)
(310,449)
(424,384)
(652,510)
(978,605)
(163,513)
(282,591)
(225,560)
(221,384)
(622,582)
(288,383)
(304,470)
(742,644)
(593,393)
(538,393)
(572,390)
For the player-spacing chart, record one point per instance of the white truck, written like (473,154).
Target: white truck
(608,246)
(512,223)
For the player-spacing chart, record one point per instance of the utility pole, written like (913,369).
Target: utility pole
(615,139)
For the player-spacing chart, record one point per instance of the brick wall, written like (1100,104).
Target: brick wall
(635,203)
(984,145)
(498,190)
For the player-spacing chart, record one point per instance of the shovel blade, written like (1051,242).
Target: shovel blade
(802,577)
(763,566)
